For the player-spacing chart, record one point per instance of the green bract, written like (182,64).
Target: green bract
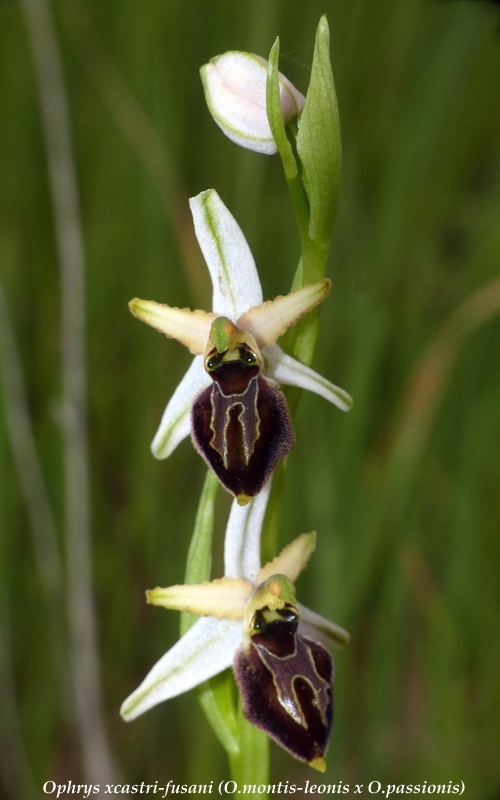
(310,150)
(318,142)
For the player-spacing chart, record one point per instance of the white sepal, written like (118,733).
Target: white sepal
(175,424)
(242,539)
(235,281)
(204,651)
(321,629)
(285,369)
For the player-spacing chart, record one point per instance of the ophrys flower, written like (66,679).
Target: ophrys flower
(229,398)
(251,619)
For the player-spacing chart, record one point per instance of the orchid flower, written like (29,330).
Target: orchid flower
(235,91)
(229,398)
(250,619)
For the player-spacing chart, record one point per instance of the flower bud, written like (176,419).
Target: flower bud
(235,91)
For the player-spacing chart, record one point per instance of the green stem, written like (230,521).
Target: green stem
(218,699)
(247,747)
(250,766)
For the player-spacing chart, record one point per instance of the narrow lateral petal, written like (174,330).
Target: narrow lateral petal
(242,541)
(285,369)
(235,281)
(223,598)
(270,320)
(321,629)
(176,421)
(190,328)
(292,559)
(205,650)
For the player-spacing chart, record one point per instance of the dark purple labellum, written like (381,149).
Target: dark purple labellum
(286,683)
(240,424)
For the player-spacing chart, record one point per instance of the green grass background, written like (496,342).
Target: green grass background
(403,491)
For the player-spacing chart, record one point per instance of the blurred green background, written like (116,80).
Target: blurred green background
(403,490)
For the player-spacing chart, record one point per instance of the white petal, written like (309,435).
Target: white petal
(235,281)
(287,370)
(242,539)
(205,650)
(176,421)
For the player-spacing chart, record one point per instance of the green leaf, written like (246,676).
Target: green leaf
(318,142)
(199,560)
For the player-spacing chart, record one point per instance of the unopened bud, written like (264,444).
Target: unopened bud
(235,91)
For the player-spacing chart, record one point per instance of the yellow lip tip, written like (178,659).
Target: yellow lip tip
(243,499)
(319,764)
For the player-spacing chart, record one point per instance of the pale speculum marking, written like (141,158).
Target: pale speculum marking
(244,405)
